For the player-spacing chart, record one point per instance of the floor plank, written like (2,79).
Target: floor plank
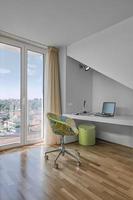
(106,173)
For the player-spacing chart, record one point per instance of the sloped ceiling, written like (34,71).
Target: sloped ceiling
(61,22)
(110,52)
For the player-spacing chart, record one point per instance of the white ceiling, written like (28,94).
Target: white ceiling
(61,22)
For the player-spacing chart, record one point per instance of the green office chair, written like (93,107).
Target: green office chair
(62,126)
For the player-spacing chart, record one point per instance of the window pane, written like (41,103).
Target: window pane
(35,95)
(10,115)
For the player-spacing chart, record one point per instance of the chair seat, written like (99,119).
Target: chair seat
(62,126)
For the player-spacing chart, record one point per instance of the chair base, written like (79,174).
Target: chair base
(62,151)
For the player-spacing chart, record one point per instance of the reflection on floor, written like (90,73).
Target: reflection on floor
(106,173)
(5,140)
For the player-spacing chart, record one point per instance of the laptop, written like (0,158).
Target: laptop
(108,109)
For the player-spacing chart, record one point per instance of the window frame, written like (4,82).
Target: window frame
(24,48)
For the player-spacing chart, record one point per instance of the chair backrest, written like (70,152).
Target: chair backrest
(62,125)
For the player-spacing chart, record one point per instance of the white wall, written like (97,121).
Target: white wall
(116,134)
(78,87)
(74,84)
(109,52)
(106,89)
(62,63)
(95,88)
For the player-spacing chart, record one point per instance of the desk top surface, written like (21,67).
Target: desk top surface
(118,120)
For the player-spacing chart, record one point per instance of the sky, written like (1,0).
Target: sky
(10,73)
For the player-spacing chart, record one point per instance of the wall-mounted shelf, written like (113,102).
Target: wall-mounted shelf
(118,120)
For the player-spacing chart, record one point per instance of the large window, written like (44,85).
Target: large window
(21,93)
(35,95)
(10,115)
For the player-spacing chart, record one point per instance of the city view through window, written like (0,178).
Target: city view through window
(10,94)
(35,95)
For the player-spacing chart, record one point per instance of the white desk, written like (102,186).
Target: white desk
(118,120)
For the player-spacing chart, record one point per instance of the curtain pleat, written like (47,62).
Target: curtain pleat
(52,100)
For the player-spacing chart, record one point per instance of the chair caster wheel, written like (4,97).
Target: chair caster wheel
(78,164)
(56,166)
(46,157)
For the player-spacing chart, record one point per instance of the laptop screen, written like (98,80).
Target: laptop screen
(109,108)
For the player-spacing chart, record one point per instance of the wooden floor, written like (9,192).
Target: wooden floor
(106,174)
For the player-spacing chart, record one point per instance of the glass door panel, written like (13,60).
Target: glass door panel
(35,95)
(10,112)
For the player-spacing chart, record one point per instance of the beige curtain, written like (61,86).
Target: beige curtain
(52,102)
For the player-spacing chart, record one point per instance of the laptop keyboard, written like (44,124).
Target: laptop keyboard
(103,115)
